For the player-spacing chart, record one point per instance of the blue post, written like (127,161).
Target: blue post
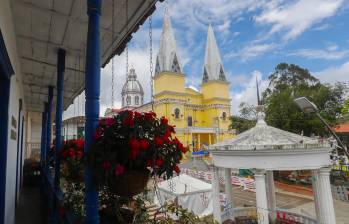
(92,91)
(43,136)
(49,127)
(59,110)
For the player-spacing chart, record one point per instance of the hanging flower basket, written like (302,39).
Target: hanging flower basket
(131,183)
(130,144)
(72,160)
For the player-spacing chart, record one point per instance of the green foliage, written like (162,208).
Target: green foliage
(246,120)
(345,111)
(291,81)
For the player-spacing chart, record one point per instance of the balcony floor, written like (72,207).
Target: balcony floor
(30,207)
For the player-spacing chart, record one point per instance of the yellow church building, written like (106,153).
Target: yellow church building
(201,117)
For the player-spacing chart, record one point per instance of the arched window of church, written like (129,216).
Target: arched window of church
(175,65)
(137,100)
(128,100)
(157,67)
(221,74)
(224,116)
(177,113)
(190,121)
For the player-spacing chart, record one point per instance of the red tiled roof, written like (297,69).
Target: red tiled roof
(342,128)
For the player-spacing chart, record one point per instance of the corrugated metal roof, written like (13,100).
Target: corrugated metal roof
(44,26)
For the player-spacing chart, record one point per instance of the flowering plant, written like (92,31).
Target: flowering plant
(71,157)
(133,141)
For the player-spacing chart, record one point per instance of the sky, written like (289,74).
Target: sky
(253,37)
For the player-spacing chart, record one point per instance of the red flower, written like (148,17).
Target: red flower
(164,121)
(119,170)
(134,154)
(144,144)
(129,122)
(149,163)
(79,154)
(106,165)
(79,143)
(176,169)
(109,121)
(61,211)
(171,129)
(166,139)
(182,148)
(159,162)
(134,144)
(158,141)
(71,153)
(149,116)
(138,115)
(97,134)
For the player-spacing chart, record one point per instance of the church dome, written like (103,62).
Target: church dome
(132,91)
(132,85)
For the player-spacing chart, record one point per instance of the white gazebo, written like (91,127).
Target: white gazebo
(264,149)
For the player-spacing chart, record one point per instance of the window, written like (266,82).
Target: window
(128,100)
(224,116)
(177,113)
(175,65)
(190,121)
(137,100)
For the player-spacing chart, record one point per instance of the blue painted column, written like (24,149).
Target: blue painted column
(49,126)
(43,136)
(59,110)
(92,92)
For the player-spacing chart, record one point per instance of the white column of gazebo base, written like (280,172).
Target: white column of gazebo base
(271,195)
(261,197)
(325,200)
(229,193)
(215,195)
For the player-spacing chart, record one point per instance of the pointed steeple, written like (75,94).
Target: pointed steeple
(167,58)
(213,67)
(258,99)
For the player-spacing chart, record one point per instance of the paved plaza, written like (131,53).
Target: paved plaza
(294,203)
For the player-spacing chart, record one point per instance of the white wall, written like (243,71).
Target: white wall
(7,29)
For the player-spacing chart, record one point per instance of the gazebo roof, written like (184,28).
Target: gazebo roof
(264,137)
(269,148)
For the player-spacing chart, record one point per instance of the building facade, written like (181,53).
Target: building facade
(201,117)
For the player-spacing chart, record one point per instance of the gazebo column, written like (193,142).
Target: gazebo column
(261,197)
(215,194)
(316,194)
(325,201)
(229,193)
(271,195)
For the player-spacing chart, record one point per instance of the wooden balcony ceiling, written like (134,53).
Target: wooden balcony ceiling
(43,26)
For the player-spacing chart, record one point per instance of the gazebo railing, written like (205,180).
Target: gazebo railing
(295,217)
(273,147)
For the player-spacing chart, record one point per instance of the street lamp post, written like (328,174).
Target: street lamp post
(309,107)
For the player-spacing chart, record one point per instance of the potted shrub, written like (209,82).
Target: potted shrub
(72,160)
(129,148)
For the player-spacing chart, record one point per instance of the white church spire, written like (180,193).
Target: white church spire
(167,58)
(213,67)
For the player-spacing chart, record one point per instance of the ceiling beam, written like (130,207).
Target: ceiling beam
(51,64)
(53,12)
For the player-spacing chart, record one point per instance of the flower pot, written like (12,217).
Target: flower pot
(130,183)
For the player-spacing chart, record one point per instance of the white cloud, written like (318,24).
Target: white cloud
(334,74)
(251,51)
(331,53)
(294,18)
(248,94)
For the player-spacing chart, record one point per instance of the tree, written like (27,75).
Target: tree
(290,81)
(246,120)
